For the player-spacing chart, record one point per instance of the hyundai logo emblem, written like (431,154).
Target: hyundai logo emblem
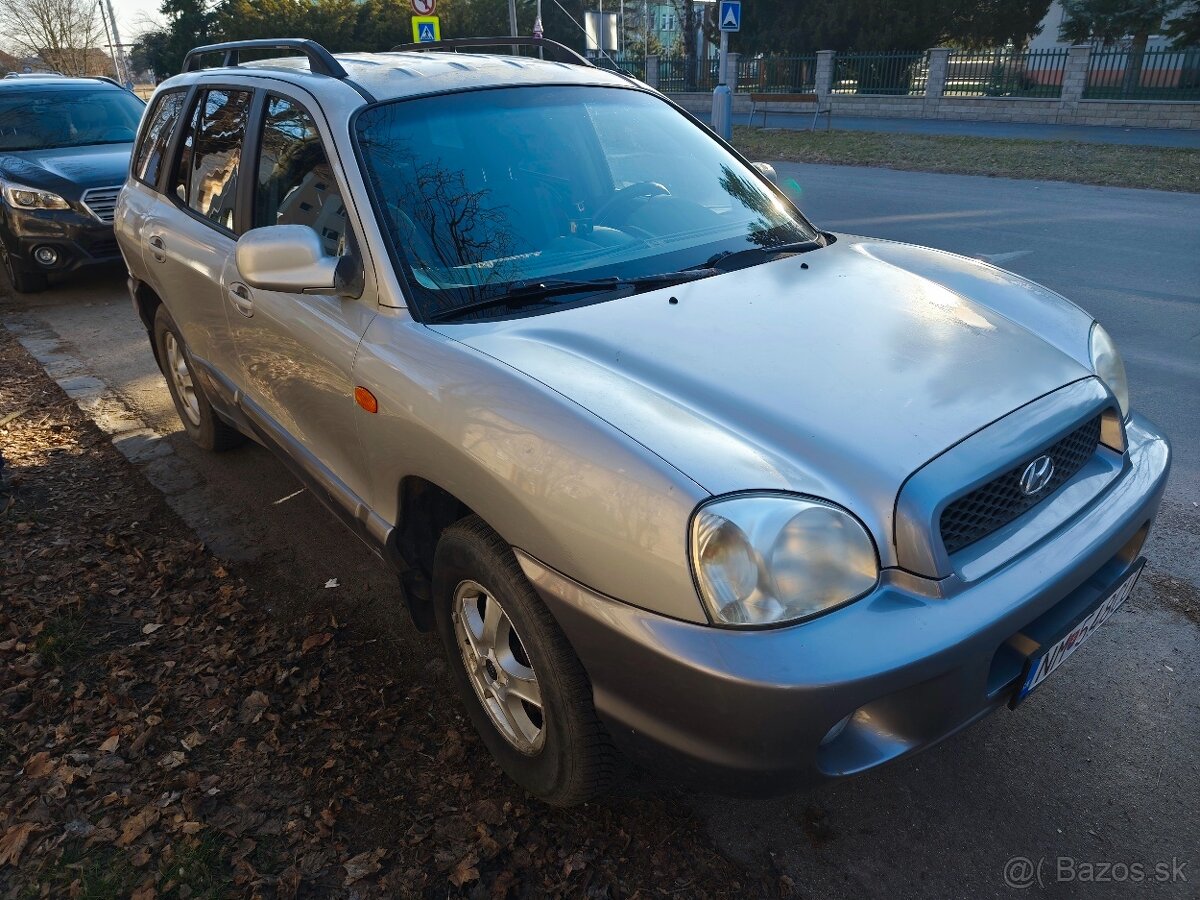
(1037,475)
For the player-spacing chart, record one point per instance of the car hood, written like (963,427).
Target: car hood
(837,373)
(68,171)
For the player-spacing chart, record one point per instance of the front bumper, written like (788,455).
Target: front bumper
(79,239)
(746,711)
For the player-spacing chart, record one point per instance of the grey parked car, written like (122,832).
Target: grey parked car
(671,470)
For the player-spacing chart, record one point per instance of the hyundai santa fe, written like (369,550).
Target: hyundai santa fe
(675,474)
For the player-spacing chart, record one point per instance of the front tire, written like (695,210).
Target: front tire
(525,689)
(201,422)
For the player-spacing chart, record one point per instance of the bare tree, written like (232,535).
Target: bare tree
(65,34)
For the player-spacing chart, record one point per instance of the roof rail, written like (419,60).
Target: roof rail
(453,44)
(320,60)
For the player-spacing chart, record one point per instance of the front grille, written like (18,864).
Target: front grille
(102,202)
(974,516)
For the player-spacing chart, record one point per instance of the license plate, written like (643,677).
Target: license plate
(1046,661)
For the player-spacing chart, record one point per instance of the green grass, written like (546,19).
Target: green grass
(203,867)
(63,642)
(102,874)
(198,870)
(1167,169)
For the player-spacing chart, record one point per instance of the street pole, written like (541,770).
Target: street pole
(512,17)
(119,50)
(108,37)
(722,111)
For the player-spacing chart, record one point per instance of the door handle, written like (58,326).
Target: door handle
(239,295)
(157,247)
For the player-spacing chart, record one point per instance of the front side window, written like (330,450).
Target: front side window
(161,124)
(206,177)
(295,183)
(484,192)
(51,118)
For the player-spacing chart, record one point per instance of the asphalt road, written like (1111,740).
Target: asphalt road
(1098,767)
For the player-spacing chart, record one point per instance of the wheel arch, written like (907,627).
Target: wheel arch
(425,510)
(147,302)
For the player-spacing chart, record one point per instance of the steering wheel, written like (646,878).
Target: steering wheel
(620,205)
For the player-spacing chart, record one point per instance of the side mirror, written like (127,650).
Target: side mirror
(768,172)
(288,258)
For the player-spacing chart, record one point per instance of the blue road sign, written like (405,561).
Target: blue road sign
(426,29)
(731,15)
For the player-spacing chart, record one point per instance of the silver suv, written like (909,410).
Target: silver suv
(671,470)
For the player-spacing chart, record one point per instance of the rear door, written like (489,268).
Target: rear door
(140,195)
(296,351)
(190,233)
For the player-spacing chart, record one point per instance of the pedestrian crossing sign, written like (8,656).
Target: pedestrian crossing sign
(426,29)
(731,15)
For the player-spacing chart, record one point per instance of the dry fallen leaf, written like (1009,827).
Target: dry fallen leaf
(150,629)
(288,884)
(172,760)
(313,641)
(332,583)
(465,871)
(110,745)
(14,841)
(359,867)
(253,708)
(39,764)
(135,826)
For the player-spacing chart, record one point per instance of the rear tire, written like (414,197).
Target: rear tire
(558,751)
(201,422)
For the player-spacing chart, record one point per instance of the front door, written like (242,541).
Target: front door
(296,351)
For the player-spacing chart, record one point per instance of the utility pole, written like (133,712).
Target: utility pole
(119,50)
(512,17)
(107,37)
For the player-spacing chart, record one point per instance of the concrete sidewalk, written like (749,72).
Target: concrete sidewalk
(1090,134)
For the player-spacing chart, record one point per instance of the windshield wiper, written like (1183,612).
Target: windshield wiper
(533,292)
(731,259)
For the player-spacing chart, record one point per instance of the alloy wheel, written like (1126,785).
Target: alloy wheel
(181,377)
(498,667)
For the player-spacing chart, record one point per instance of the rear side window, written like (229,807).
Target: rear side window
(159,128)
(295,181)
(206,178)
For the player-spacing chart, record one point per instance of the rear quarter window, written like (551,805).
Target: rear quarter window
(160,125)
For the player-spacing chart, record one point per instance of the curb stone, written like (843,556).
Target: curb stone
(182,485)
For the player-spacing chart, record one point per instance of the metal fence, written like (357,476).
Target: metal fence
(1120,74)
(1113,73)
(1006,73)
(674,76)
(629,63)
(777,74)
(894,73)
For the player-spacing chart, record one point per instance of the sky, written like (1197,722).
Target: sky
(134,16)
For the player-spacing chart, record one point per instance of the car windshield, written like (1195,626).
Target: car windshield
(485,193)
(67,117)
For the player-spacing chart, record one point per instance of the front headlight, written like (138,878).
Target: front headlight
(23,197)
(1108,366)
(770,559)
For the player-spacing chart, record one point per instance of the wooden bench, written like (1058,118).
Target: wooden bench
(764,99)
